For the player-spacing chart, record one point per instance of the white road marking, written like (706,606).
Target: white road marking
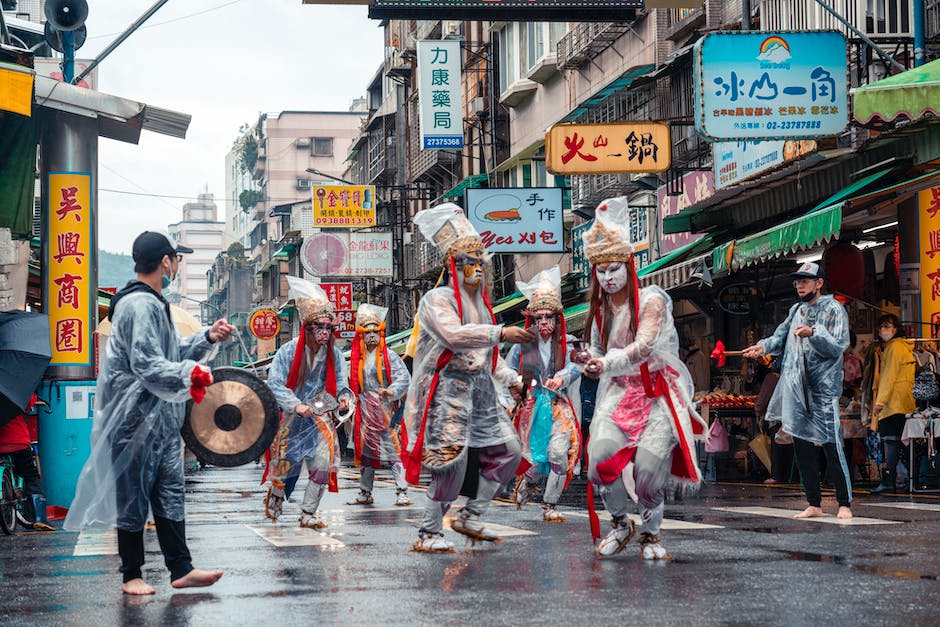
(776,512)
(96,543)
(502,531)
(293,535)
(669,524)
(921,507)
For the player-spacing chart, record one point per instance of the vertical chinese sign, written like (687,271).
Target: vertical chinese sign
(340,294)
(928,210)
(69,297)
(440,94)
(579,262)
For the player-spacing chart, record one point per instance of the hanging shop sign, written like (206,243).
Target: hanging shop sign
(518,220)
(345,254)
(928,206)
(696,186)
(440,94)
(740,160)
(770,85)
(640,235)
(16,88)
(264,324)
(608,148)
(343,206)
(70,264)
(345,324)
(736,299)
(526,10)
(340,294)
(579,261)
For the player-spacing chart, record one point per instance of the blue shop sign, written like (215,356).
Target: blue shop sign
(770,85)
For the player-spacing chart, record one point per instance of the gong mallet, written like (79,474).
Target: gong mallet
(721,354)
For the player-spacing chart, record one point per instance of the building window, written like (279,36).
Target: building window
(322,146)
(508,56)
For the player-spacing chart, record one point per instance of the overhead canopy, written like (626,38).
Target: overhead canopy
(909,95)
(456,192)
(674,269)
(799,234)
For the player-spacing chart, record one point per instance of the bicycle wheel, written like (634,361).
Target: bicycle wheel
(7,502)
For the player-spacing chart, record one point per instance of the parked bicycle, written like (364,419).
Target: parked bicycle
(15,506)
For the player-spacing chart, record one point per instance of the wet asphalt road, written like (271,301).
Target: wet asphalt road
(741,568)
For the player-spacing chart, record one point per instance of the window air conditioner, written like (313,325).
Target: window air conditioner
(302,142)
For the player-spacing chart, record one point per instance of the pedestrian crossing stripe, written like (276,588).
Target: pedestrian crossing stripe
(96,543)
(502,531)
(668,524)
(776,512)
(921,507)
(293,535)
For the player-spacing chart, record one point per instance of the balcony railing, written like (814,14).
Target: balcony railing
(586,40)
(876,18)
(932,19)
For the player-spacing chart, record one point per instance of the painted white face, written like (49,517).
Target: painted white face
(544,322)
(321,332)
(612,276)
(470,268)
(371,339)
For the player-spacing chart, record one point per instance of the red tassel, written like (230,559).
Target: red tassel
(299,355)
(355,355)
(455,281)
(200,380)
(412,461)
(592,515)
(636,293)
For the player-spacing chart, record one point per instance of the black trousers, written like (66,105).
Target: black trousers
(807,460)
(172,537)
(24,465)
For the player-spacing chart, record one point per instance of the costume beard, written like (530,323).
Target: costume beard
(371,339)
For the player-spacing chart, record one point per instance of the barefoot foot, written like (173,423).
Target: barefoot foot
(810,512)
(845,513)
(197,579)
(137,587)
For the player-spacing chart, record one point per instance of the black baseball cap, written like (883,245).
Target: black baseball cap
(809,270)
(150,247)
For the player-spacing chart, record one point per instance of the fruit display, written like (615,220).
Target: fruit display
(724,400)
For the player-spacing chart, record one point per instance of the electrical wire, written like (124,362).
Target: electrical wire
(175,19)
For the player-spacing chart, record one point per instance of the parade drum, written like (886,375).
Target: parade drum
(236,421)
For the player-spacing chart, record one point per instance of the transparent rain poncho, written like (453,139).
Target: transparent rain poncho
(379,443)
(136,459)
(806,399)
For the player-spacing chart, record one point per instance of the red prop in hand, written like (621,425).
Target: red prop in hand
(721,354)
(201,378)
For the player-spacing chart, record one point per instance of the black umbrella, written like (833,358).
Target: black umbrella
(25,353)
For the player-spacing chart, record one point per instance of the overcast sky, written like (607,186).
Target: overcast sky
(223,62)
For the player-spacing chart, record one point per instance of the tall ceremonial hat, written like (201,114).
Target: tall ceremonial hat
(310,299)
(543,291)
(449,229)
(608,239)
(370,317)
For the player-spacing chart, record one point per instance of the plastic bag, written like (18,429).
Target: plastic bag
(717,441)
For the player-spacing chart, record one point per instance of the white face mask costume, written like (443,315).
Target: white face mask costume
(471,269)
(613,278)
(544,322)
(371,338)
(321,332)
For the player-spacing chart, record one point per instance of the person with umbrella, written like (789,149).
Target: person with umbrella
(806,399)
(136,461)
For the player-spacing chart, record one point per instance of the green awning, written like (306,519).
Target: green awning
(285,251)
(456,192)
(912,95)
(804,232)
(678,255)
(851,190)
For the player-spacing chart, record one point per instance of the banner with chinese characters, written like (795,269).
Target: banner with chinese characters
(741,160)
(69,297)
(440,94)
(264,324)
(579,262)
(928,210)
(347,254)
(340,294)
(518,220)
(343,206)
(608,148)
(640,235)
(696,187)
(345,324)
(770,85)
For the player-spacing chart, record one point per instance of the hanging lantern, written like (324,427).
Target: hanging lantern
(844,266)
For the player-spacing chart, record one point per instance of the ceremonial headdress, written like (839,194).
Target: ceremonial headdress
(608,239)
(370,317)
(449,229)
(543,291)
(311,301)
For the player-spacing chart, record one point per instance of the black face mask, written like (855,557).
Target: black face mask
(809,296)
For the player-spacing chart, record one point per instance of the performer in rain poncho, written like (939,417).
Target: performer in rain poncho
(452,405)
(641,437)
(303,369)
(545,419)
(806,400)
(380,379)
(136,461)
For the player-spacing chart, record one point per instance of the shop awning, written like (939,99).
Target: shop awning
(456,192)
(802,233)
(899,190)
(909,95)
(674,269)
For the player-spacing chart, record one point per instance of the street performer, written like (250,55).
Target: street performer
(302,370)
(451,413)
(380,379)
(641,434)
(545,420)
